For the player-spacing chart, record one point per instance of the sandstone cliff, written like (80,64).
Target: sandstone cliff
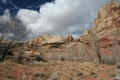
(107,21)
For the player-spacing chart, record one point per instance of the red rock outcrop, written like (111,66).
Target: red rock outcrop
(69,38)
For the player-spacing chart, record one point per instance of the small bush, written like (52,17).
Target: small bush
(62,59)
(118,64)
(38,58)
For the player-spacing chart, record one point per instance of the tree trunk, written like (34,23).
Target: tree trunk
(100,60)
(4,55)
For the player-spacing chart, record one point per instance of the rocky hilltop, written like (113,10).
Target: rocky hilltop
(108,19)
(107,22)
(47,39)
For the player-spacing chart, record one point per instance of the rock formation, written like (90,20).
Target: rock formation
(69,38)
(86,32)
(87,35)
(56,39)
(107,22)
(39,41)
(47,39)
(48,36)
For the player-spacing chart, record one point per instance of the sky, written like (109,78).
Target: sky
(65,17)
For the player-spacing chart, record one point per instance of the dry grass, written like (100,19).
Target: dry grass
(57,70)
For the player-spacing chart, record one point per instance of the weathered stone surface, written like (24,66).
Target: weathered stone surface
(47,39)
(87,35)
(39,41)
(48,36)
(107,20)
(69,38)
(86,32)
(56,39)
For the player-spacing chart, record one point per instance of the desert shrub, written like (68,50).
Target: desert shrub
(39,76)
(42,53)
(111,60)
(62,59)
(38,58)
(20,57)
(55,76)
(9,57)
(118,64)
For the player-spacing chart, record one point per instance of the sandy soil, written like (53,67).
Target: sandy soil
(56,70)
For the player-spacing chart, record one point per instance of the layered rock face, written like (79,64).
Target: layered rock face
(69,38)
(108,20)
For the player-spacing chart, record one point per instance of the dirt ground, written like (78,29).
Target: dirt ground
(56,70)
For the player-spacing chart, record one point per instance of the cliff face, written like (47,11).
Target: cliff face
(107,22)
(108,19)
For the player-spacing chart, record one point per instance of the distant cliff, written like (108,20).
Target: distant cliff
(107,22)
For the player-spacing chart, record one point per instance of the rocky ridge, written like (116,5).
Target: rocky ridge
(47,39)
(106,23)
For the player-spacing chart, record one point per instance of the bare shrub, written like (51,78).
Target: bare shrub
(79,53)
(96,48)
(118,64)
(42,56)
(62,59)
(11,31)
(39,76)
(55,76)
(114,49)
(75,53)
(111,60)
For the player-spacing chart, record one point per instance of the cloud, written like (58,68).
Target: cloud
(6,15)
(4,1)
(62,17)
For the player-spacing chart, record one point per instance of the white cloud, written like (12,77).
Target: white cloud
(62,17)
(6,15)
(4,1)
